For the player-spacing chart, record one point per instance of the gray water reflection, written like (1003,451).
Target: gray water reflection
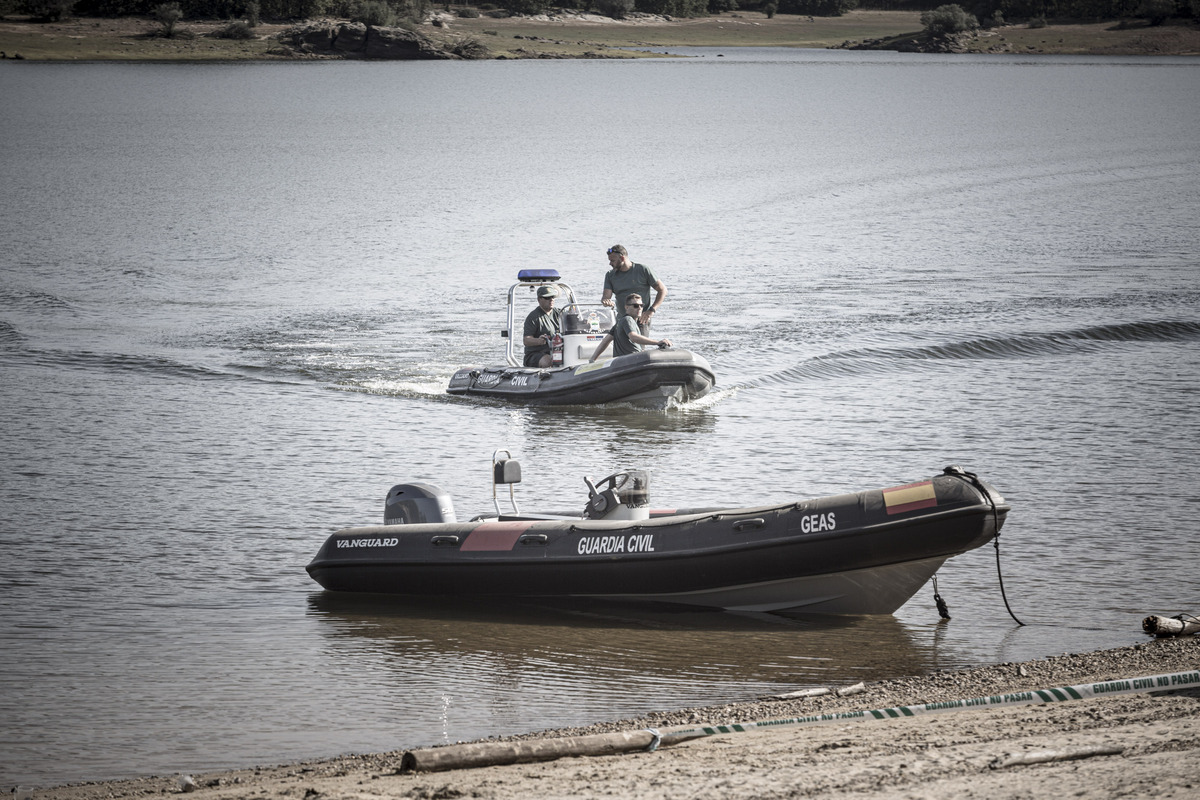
(607,661)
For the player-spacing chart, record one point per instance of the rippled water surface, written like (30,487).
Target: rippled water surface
(231,297)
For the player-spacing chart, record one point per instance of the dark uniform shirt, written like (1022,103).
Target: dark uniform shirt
(536,324)
(638,278)
(622,344)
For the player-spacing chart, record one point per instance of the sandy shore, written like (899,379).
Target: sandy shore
(1111,745)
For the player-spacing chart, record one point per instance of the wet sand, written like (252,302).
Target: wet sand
(1111,745)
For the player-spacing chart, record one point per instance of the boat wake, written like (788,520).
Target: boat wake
(880,360)
(702,404)
(422,387)
(144,363)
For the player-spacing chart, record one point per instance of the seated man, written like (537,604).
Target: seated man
(625,336)
(540,327)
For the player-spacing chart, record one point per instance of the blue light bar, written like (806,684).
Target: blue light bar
(538,276)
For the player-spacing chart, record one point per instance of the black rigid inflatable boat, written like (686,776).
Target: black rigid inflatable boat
(862,553)
(654,377)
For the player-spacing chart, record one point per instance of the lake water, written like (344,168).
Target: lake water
(231,297)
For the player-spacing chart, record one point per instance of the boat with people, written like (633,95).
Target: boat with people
(865,552)
(654,377)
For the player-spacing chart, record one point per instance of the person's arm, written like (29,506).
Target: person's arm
(606,299)
(535,341)
(600,348)
(660,294)
(637,337)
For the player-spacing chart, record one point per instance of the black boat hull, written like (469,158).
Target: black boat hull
(651,377)
(862,553)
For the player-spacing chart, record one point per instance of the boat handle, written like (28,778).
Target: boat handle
(534,538)
(439,541)
(743,524)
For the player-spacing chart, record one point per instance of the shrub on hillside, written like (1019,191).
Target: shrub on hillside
(948,19)
(470,47)
(376,13)
(168,15)
(238,29)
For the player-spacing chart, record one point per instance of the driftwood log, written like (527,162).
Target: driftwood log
(1046,756)
(485,754)
(1182,625)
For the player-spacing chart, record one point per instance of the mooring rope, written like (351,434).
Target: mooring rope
(942,608)
(1000,578)
(978,484)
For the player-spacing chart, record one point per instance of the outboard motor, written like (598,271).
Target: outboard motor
(622,495)
(412,503)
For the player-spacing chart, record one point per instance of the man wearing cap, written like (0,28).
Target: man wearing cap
(625,337)
(625,278)
(540,327)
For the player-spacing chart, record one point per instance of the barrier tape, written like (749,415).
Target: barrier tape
(1152,683)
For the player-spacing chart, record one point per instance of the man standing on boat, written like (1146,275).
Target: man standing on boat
(625,278)
(625,336)
(540,328)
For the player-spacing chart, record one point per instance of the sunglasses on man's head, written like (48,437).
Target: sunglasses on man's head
(635,305)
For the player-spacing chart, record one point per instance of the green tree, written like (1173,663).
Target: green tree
(295,9)
(524,6)
(1157,11)
(112,8)
(818,8)
(376,13)
(47,10)
(617,9)
(168,15)
(674,8)
(948,19)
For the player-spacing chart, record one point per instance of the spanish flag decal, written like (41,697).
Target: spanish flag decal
(899,499)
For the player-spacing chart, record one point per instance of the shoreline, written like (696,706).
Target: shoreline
(1108,745)
(573,35)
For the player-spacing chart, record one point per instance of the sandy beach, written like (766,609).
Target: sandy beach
(1111,745)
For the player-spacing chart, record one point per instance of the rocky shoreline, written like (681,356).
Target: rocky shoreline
(335,39)
(1128,745)
(443,35)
